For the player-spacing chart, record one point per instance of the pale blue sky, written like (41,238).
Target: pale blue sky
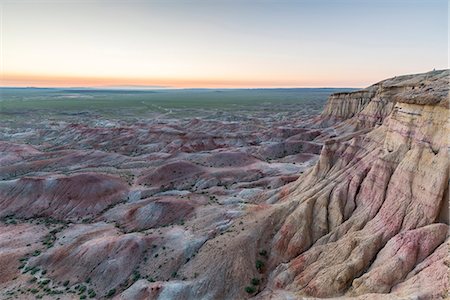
(221,43)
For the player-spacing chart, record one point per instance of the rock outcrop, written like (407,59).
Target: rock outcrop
(370,106)
(364,215)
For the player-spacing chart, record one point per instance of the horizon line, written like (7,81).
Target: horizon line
(177,88)
(88,82)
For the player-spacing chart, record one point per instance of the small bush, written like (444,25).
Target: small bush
(111,293)
(34,270)
(259,265)
(136,276)
(91,293)
(82,289)
(250,289)
(263,253)
(255,281)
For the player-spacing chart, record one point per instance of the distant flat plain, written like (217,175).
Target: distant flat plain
(57,103)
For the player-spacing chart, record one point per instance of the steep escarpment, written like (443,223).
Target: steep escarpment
(369,107)
(366,194)
(345,105)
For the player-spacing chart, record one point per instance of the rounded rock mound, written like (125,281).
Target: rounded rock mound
(67,197)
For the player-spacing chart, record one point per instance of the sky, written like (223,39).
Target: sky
(219,43)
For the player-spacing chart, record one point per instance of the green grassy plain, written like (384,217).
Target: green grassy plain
(117,104)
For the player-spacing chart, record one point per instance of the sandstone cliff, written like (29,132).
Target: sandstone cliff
(367,215)
(370,106)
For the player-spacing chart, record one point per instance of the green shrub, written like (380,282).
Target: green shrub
(255,281)
(259,265)
(250,289)
(27,269)
(91,293)
(111,293)
(136,276)
(82,289)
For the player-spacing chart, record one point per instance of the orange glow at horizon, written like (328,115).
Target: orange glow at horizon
(23,80)
(218,44)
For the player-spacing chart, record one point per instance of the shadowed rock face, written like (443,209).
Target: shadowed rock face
(348,204)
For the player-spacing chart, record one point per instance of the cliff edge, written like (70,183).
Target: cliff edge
(371,216)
